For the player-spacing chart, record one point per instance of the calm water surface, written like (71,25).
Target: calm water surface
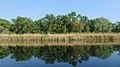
(60,56)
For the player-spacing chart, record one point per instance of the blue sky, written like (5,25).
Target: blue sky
(36,9)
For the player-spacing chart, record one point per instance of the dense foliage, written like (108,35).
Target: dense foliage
(71,23)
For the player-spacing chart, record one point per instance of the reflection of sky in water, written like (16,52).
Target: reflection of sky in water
(112,61)
(33,62)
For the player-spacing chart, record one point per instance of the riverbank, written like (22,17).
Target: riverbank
(60,39)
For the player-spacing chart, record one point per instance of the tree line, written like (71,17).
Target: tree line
(70,23)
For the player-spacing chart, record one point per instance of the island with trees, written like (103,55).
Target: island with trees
(70,25)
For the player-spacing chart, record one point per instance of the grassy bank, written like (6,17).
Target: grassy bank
(60,39)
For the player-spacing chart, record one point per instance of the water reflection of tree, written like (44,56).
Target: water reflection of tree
(4,52)
(51,54)
(21,53)
(102,52)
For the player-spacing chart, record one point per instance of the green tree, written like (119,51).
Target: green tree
(22,25)
(5,23)
(85,21)
(117,28)
(100,25)
(4,26)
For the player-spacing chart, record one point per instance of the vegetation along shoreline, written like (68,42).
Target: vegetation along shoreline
(61,29)
(60,39)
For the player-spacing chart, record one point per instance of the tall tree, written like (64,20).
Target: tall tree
(100,25)
(22,25)
(4,26)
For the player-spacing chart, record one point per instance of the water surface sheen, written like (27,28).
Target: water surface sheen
(60,56)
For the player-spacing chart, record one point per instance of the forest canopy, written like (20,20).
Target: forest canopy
(70,23)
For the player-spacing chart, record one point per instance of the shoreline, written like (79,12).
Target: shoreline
(60,39)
